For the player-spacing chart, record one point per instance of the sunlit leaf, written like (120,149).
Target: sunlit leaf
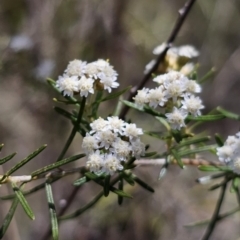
(197,150)
(115,95)
(210,168)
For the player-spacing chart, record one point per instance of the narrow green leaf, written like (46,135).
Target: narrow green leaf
(164,122)
(150,154)
(210,168)
(219,140)
(207,76)
(120,193)
(65,113)
(80,181)
(206,118)
(177,157)
(197,150)
(106,186)
(8,217)
(57,164)
(143,184)
(228,114)
(25,160)
(67,102)
(143,109)
(23,201)
(115,95)
(235,185)
(128,178)
(120,187)
(52,210)
(158,135)
(5,159)
(92,176)
(220,217)
(192,140)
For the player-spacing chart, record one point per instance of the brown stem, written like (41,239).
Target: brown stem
(183,12)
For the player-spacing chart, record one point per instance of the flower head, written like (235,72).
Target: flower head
(192,105)
(142,97)
(85,86)
(76,68)
(67,84)
(176,118)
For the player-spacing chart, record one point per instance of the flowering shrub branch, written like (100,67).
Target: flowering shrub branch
(112,147)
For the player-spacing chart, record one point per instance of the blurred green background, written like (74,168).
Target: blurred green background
(39,38)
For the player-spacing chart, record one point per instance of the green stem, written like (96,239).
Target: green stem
(74,130)
(215,216)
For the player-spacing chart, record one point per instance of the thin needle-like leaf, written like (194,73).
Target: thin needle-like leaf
(8,217)
(7,158)
(52,210)
(57,164)
(25,160)
(23,201)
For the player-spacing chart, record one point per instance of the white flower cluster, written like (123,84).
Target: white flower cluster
(111,142)
(80,77)
(177,58)
(176,88)
(229,153)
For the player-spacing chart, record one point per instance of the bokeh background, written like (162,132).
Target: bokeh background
(38,39)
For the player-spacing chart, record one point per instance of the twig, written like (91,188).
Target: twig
(183,12)
(215,216)
(185,161)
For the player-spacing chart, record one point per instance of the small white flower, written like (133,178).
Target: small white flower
(192,87)
(106,138)
(157,97)
(95,162)
(187,68)
(67,84)
(225,153)
(232,141)
(116,125)
(236,165)
(175,89)
(98,125)
(91,70)
(142,97)
(90,143)
(101,64)
(138,148)
(121,148)
(111,164)
(187,51)
(132,131)
(108,82)
(159,49)
(161,79)
(176,118)
(149,66)
(76,68)
(85,86)
(192,104)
